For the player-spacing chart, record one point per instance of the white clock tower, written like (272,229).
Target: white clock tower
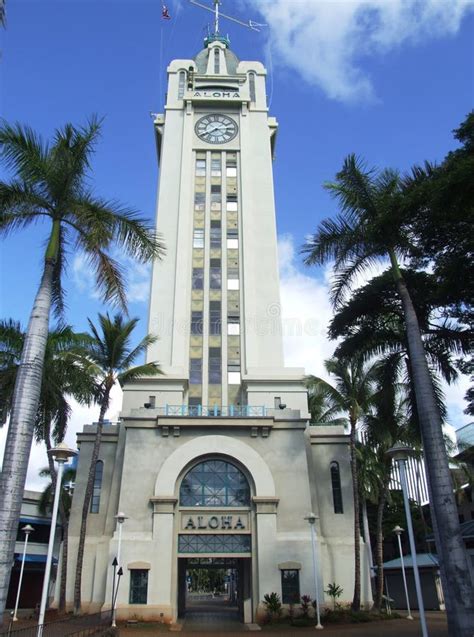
(214,463)
(215,300)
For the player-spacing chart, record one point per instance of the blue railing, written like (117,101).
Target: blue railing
(215,411)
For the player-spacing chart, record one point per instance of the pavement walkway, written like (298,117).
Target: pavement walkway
(437,627)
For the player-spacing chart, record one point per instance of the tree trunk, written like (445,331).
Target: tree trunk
(452,555)
(64,527)
(379,546)
(21,428)
(355,492)
(87,500)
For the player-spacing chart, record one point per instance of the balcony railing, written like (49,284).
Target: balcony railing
(214,411)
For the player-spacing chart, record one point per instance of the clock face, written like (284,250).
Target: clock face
(216,128)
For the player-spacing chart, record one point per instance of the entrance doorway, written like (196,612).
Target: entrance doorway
(212,592)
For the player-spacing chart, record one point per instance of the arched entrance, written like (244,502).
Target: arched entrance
(170,565)
(214,543)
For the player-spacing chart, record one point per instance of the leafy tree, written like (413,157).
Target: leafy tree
(112,358)
(66,373)
(350,395)
(439,200)
(50,184)
(371,227)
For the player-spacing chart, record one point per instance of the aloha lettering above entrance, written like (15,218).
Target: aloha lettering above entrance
(217,522)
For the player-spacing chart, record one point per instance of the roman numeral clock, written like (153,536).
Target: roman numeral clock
(216,129)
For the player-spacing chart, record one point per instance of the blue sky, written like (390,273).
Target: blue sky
(386,79)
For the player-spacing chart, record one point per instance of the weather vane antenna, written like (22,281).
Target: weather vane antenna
(250,24)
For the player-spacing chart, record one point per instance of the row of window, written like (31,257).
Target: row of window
(232,237)
(216,168)
(215,322)
(216,200)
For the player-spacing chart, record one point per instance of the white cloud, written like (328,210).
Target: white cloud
(326,41)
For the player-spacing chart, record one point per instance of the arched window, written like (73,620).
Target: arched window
(181,84)
(214,483)
(252,86)
(336,487)
(217,66)
(95,500)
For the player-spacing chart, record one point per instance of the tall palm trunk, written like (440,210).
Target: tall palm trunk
(21,428)
(379,545)
(355,493)
(64,528)
(457,583)
(88,497)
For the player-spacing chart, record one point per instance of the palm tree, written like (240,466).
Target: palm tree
(51,184)
(112,357)
(66,372)
(370,227)
(351,395)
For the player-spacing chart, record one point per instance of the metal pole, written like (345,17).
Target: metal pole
(114,564)
(27,532)
(419,595)
(119,543)
(49,558)
(409,616)
(315,573)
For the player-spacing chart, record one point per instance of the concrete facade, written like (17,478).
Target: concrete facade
(244,407)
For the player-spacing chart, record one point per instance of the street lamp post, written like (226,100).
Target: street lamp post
(400,454)
(120,517)
(311,518)
(398,531)
(26,530)
(61,454)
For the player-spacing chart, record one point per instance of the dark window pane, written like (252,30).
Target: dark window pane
(95,501)
(336,488)
(290,587)
(198,278)
(196,322)
(195,371)
(138,586)
(215,367)
(215,281)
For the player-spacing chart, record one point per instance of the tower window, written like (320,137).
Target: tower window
(215,371)
(215,193)
(195,371)
(232,244)
(181,84)
(200,167)
(217,61)
(215,274)
(198,278)
(196,322)
(336,487)
(252,86)
(216,170)
(231,203)
(215,234)
(215,317)
(198,238)
(233,378)
(199,200)
(95,500)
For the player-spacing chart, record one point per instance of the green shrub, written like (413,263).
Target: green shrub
(272,604)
